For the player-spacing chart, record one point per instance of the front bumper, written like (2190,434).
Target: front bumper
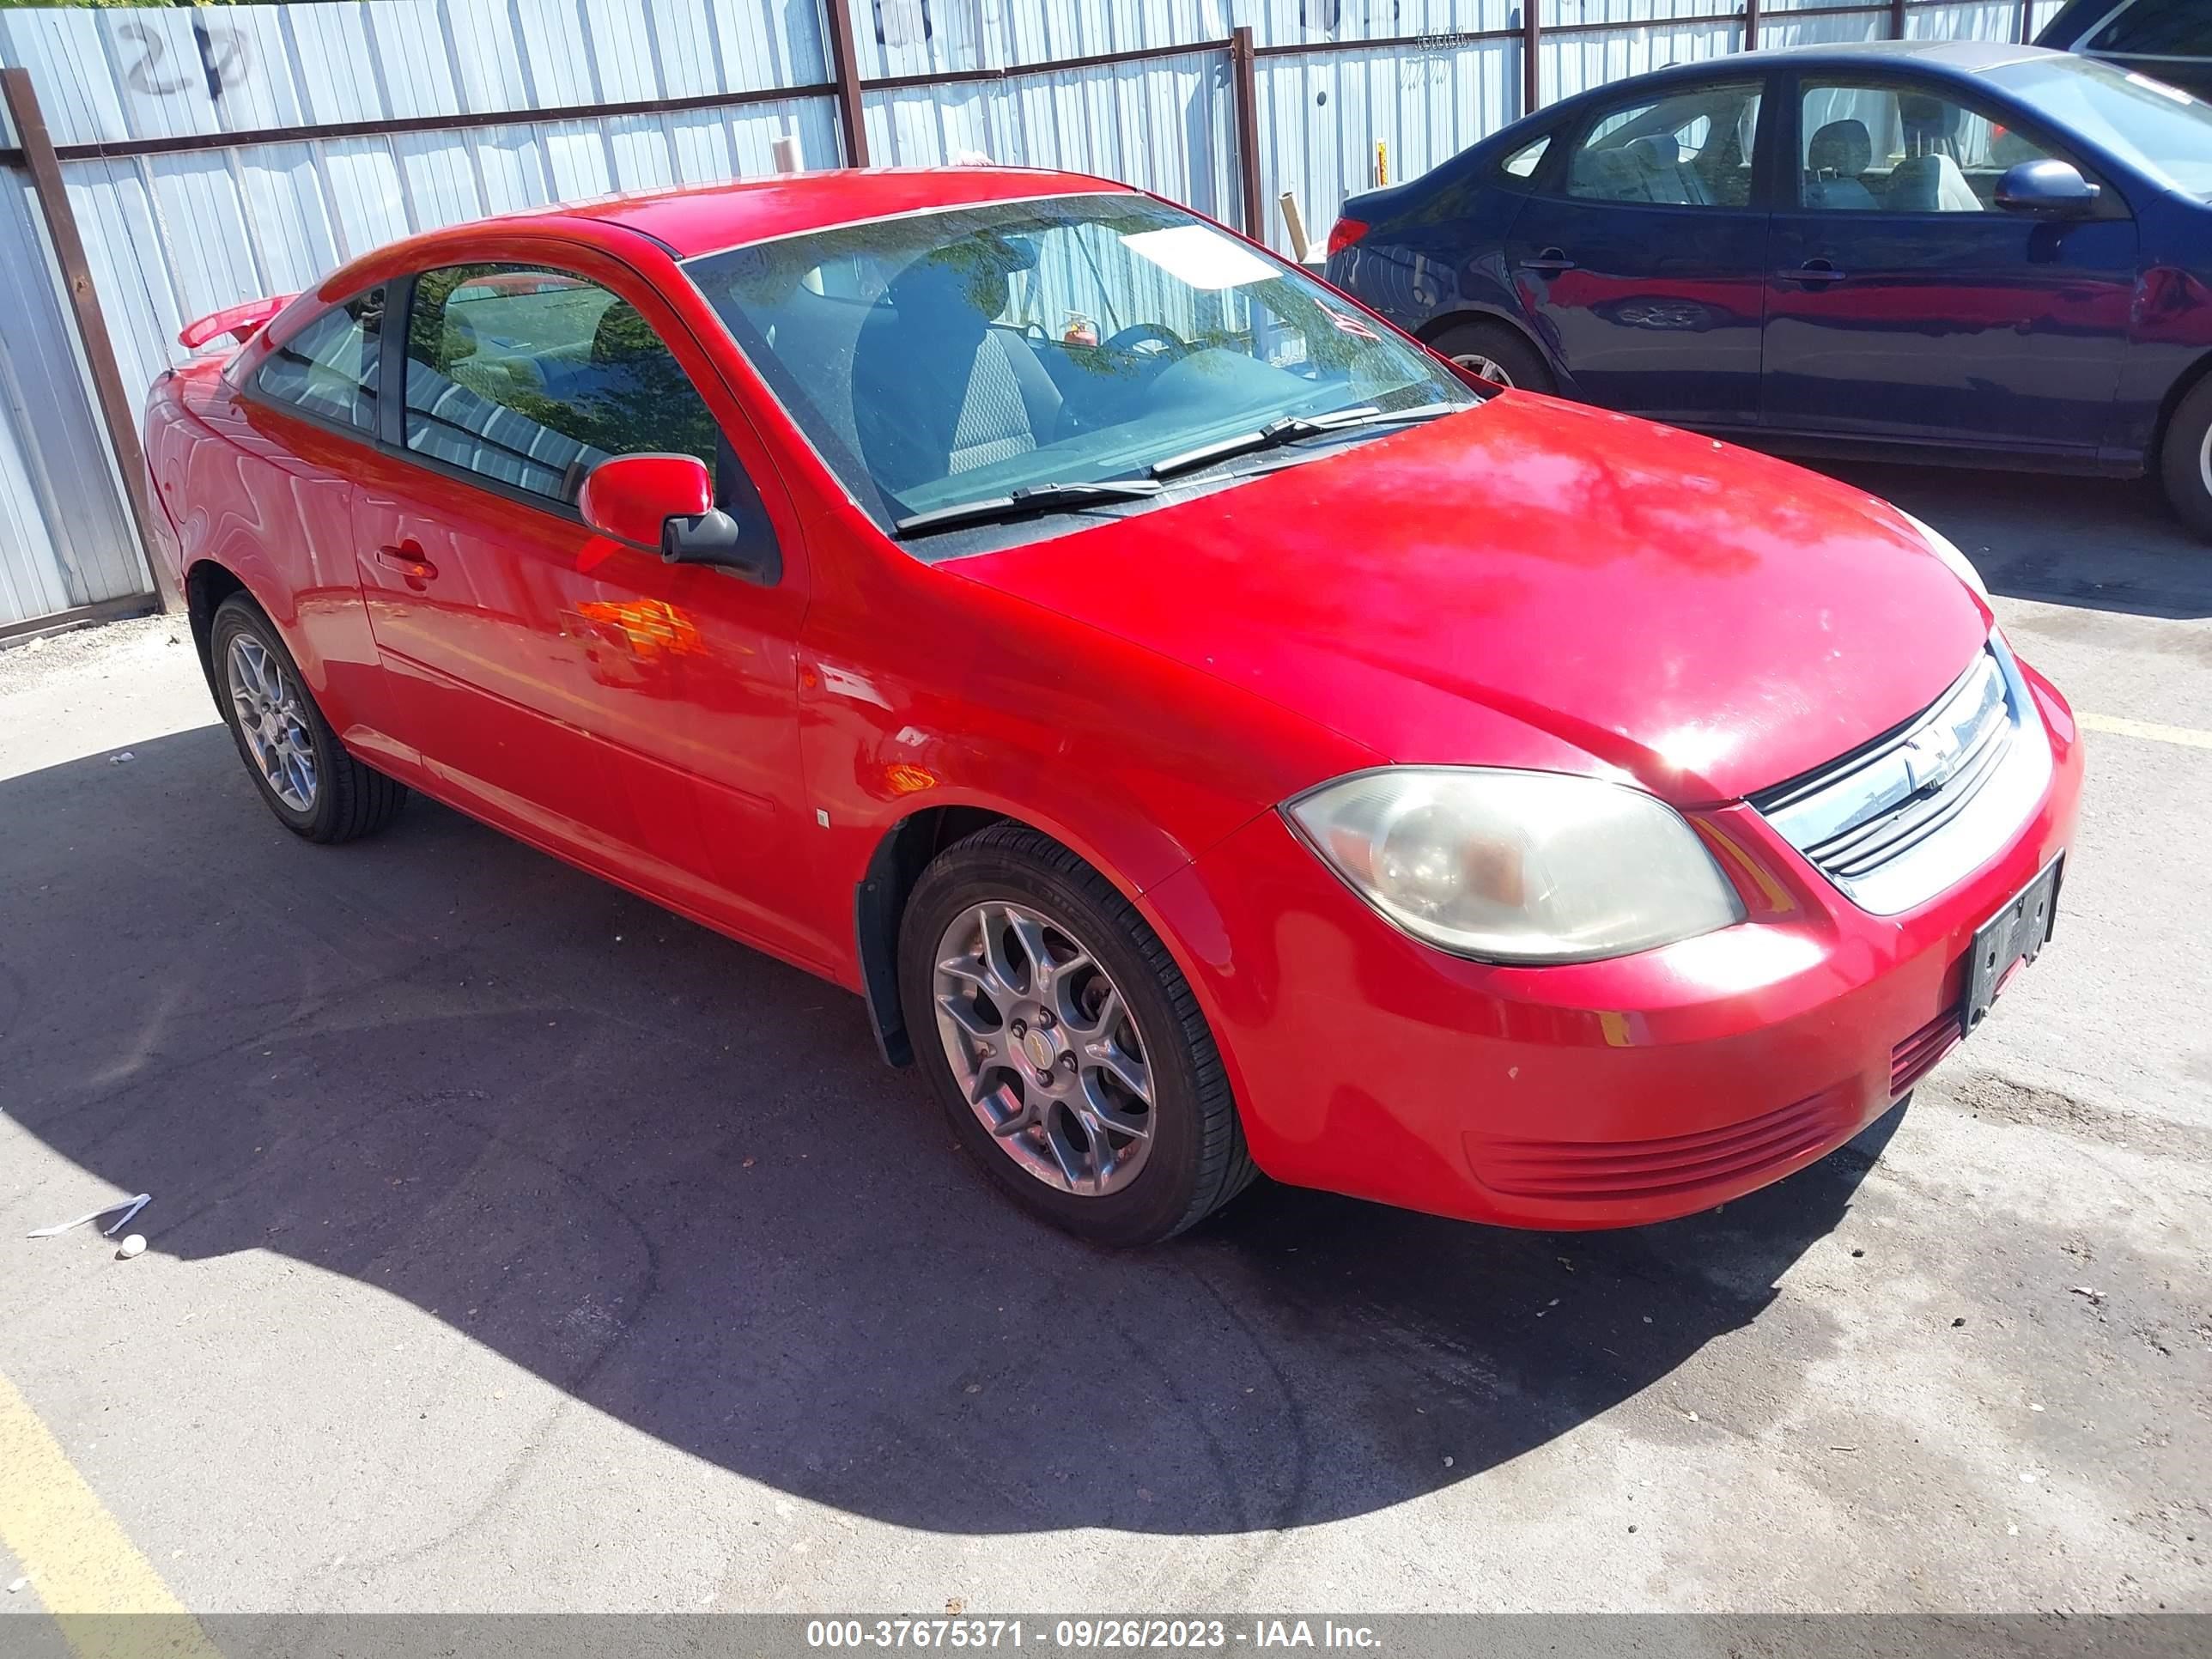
(1598,1094)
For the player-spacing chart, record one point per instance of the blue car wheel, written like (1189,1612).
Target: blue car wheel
(1499,353)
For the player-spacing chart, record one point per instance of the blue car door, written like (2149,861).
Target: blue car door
(1640,256)
(1904,304)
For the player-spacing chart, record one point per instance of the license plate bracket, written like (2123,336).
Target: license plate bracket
(2021,928)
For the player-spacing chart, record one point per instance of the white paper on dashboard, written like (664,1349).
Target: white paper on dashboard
(1201,256)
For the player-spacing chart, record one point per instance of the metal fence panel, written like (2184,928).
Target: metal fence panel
(1971,19)
(1812,25)
(106,77)
(1166,125)
(65,538)
(1575,63)
(921,37)
(1308,22)
(1332,123)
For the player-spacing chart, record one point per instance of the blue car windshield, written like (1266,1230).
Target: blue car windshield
(943,358)
(2157,128)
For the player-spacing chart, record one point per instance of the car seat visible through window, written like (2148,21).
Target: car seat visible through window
(1928,178)
(938,389)
(1836,162)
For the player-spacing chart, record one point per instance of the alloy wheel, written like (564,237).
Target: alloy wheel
(1044,1048)
(1488,368)
(272,718)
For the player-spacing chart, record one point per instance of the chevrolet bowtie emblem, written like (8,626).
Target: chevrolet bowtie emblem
(1929,758)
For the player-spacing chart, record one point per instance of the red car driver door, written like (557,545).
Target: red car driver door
(638,716)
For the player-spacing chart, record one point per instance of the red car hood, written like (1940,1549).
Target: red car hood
(1533,578)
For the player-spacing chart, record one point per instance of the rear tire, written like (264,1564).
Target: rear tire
(1499,353)
(2185,460)
(316,788)
(1050,1120)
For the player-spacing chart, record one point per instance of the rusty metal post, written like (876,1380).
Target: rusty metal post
(845,77)
(2026,22)
(1244,84)
(1750,24)
(1531,42)
(118,411)
(1897,20)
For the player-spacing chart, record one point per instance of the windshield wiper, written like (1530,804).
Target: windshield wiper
(1034,498)
(1290,429)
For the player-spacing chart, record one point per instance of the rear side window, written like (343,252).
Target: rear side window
(1524,161)
(1691,149)
(329,368)
(531,376)
(2150,29)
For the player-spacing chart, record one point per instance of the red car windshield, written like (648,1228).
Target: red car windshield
(943,358)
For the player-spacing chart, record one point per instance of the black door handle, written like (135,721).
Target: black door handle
(1549,263)
(1814,270)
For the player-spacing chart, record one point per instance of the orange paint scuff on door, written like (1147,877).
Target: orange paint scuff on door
(653,629)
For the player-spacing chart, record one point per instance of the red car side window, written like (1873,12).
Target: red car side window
(329,369)
(531,376)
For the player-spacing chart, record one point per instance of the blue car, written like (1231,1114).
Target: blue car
(1961,251)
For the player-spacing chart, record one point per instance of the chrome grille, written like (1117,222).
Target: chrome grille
(1898,819)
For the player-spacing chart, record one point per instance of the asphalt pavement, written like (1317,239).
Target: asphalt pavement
(514,1245)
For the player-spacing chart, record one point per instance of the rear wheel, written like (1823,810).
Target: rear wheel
(2185,462)
(1065,1044)
(316,789)
(1497,352)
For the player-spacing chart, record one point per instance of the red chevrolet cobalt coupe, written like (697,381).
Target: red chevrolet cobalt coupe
(1211,733)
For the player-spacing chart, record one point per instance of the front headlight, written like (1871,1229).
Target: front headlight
(1946,550)
(1517,866)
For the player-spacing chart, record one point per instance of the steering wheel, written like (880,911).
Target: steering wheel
(1165,341)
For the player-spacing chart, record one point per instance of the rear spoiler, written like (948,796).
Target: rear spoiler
(241,322)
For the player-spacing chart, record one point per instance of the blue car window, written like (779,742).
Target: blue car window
(1688,149)
(2156,128)
(1891,150)
(1524,161)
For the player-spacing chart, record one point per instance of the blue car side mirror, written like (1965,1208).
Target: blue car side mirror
(2050,188)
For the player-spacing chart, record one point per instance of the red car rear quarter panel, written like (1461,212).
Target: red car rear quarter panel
(265,495)
(167,434)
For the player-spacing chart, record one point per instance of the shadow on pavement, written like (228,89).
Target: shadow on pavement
(2102,543)
(670,1176)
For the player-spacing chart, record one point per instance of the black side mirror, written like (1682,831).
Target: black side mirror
(715,538)
(2049,189)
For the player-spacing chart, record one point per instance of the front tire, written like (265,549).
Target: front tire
(316,788)
(1065,1045)
(2185,460)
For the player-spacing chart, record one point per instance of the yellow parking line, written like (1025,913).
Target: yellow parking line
(2187,736)
(83,1566)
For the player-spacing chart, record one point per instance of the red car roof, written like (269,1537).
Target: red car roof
(699,219)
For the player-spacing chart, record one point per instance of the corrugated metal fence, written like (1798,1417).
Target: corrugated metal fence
(214,156)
